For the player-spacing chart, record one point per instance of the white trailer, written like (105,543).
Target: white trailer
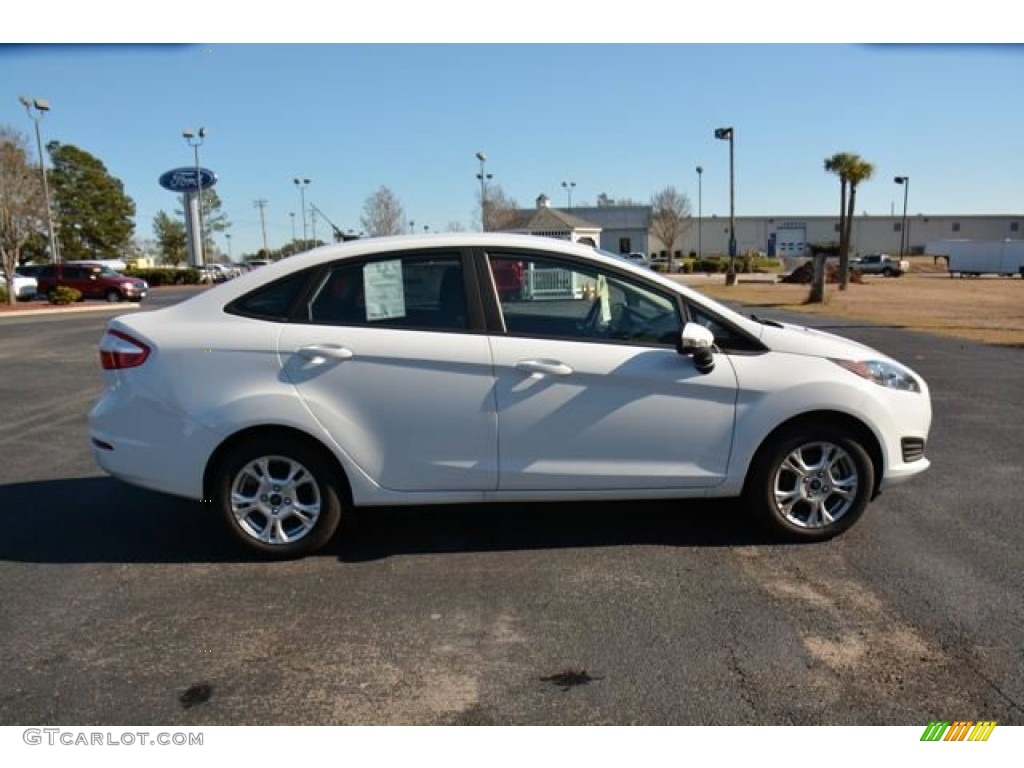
(980,257)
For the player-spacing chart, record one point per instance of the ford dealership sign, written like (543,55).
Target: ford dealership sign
(184,179)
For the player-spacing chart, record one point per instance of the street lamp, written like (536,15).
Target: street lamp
(904,235)
(42,106)
(230,257)
(484,178)
(412,226)
(700,217)
(195,142)
(302,184)
(568,188)
(727,134)
(292,215)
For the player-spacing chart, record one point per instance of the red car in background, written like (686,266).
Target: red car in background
(509,278)
(95,281)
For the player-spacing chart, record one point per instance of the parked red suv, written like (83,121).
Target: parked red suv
(509,278)
(95,281)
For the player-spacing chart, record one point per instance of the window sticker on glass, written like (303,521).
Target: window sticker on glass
(383,289)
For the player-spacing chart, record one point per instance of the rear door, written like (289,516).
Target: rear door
(391,358)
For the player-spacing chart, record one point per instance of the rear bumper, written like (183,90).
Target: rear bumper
(130,438)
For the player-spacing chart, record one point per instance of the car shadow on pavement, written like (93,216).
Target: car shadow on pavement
(101,520)
(383,532)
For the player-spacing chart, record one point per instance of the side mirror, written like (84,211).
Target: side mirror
(698,341)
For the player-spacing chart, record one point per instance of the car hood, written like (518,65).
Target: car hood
(801,340)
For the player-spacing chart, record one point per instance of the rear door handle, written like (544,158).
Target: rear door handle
(544,367)
(319,353)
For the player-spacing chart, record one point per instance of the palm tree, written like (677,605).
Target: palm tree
(839,164)
(857,171)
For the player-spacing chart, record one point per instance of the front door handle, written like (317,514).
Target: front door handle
(544,367)
(319,353)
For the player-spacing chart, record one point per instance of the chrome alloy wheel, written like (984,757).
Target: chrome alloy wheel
(815,485)
(275,500)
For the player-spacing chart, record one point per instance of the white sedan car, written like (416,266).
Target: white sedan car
(25,287)
(390,371)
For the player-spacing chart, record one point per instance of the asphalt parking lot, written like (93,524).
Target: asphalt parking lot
(120,607)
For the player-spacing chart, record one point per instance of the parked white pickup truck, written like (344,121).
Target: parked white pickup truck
(880,264)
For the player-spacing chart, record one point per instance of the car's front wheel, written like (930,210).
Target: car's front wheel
(278,496)
(113,295)
(810,483)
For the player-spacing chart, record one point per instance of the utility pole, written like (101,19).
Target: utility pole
(262,204)
(312,221)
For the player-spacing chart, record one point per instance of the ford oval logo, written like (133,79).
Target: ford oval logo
(184,179)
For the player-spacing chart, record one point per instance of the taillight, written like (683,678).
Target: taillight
(119,350)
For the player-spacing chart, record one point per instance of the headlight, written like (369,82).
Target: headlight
(882,372)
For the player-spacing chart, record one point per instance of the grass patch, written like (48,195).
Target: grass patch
(990,310)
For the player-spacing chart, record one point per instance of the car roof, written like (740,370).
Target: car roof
(226,292)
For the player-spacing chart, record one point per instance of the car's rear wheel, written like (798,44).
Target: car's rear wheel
(113,295)
(279,496)
(810,483)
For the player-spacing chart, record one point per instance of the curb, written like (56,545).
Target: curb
(119,307)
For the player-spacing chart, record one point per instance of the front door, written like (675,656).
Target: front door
(592,394)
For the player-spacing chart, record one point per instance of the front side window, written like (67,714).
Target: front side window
(543,297)
(413,292)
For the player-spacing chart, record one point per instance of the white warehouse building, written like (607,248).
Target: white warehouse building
(789,236)
(625,229)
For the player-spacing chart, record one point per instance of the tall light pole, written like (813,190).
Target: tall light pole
(42,106)
(195,142)
(231,258)
(700,216)
(904,235)
(727,134)
(484,178)
(568,188)
(292,216)
(262,205)
(302,184)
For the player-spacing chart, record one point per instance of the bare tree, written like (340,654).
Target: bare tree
(382,214)
(671,216)
(22,205)
(455,226)
(604,201)
(501,210)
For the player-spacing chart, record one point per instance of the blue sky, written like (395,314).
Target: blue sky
(625,119)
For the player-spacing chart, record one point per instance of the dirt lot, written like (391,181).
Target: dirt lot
(989,309)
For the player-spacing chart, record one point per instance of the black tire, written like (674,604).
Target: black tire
(315,483)
(112,295)
(887,272)
(773,480)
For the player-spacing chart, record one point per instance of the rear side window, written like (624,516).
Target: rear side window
(412,292)
(274,301)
